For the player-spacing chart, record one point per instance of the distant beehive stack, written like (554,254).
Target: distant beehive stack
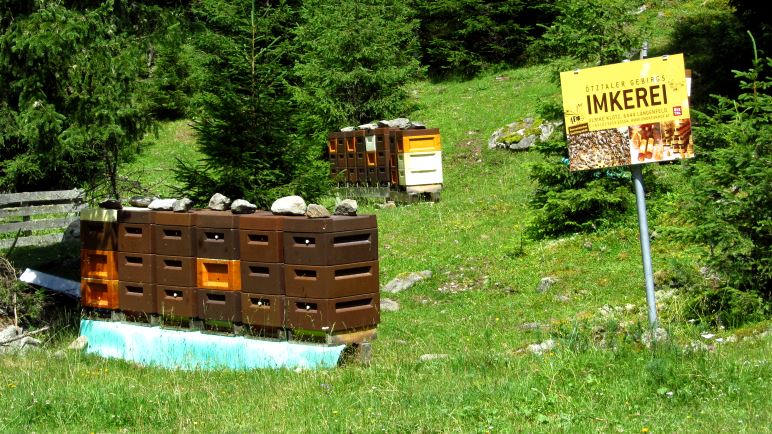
(386,157)
(267,271)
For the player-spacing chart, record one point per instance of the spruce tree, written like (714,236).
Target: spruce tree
(69,106)
(245,129)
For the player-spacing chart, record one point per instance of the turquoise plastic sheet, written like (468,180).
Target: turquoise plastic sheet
(188,350)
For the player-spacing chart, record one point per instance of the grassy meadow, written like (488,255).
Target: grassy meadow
(480,310)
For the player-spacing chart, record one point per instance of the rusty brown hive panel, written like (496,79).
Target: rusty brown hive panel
(219,305)
(217,235)
(333,248)
(98,235)
(217,243)
(176,301)
(262,310)
(332,314)
(262,277)
(261,246)
(331,281)
(136,267)
(175,270)
(137,297)
(135,237)
(174,240)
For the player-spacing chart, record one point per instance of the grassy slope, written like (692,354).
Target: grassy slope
(471,309)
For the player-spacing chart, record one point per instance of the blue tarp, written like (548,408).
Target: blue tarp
(187,350)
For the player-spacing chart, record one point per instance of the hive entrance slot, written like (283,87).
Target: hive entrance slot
(308,274)
(134,260)
(350,272)
(258,238)
(305,241)
(169,263)
(172,233)
(133,230)
(170,293)
(135,290)
(261,302)
(215,236)
(353,304)
(216,298)
(352,239)
(306,307)
(258,271)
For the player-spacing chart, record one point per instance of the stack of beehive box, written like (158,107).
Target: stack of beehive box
(386,156)
(266,271)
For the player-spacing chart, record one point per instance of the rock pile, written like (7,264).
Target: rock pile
(522,134)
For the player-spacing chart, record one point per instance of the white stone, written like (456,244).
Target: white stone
(289,205)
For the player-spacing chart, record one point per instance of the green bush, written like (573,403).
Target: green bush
(726,306)
(729,207)
(567,202)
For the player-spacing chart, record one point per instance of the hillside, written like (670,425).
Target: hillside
(478,313)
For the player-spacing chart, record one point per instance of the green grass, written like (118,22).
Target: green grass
(598,378)
(151,171)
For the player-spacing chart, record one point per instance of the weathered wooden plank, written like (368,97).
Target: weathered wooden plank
(353,337)
(38,224)
(35,240)
(20,199)
(41,209)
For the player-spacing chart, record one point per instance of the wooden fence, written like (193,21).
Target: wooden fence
(39,218)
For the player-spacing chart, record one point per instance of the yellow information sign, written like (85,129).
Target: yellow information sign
(627,113)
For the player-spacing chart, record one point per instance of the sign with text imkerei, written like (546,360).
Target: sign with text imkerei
(627,113)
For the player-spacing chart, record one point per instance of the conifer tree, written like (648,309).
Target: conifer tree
(69,110)
(246,129)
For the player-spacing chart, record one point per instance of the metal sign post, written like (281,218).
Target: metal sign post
(643,227)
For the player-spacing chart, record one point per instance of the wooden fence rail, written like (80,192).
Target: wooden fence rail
(39,218)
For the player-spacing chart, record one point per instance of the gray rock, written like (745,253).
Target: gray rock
(78,344)
(10,332)
(162,204)
(289,205)
(400,123)
(387,205)
(241,206)
(219,202)
(182,205)
(370,126)
(543,347)
(111,204)
(430,357)
(140,201)
(346,207)
(525,143)
(417,125)
(389,305)
(348,129)
(545,284)
(405,281)
(316,211)
(522,135)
